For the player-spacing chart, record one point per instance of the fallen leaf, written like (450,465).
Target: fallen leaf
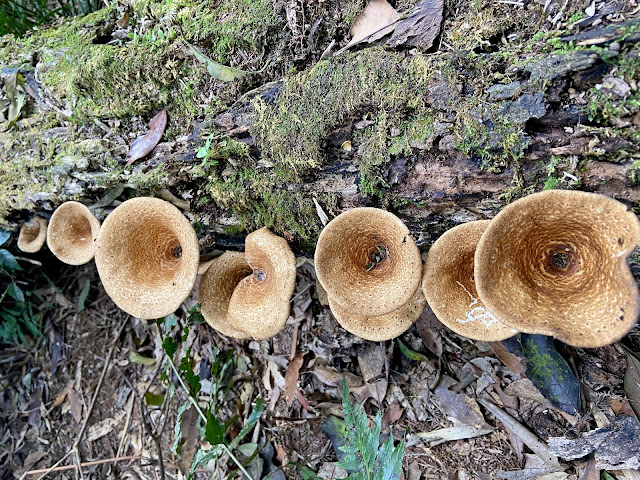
(35,402)
(331,377)
(321,214)
(34,457)
(102,428)
(590,472)
(14,89)
(429,327)
(632,383)
(449,434)
(75,405)
(459,407)
(391,415)
(143,145)
(616,446)
(135,357)
(291,377)
(376,20)
(421,27)
(371,362)
(514,363)
(219,71)
(57,343)
(190,439)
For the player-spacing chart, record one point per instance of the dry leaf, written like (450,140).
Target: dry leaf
(514,363)
(421,27)
(428,327)
(102,428)
(142,146)
(331,377)
(75,405)
(376,20)
(391,415)
(590,472)
(371,363)
(291,378)
(632,383)
(190,439)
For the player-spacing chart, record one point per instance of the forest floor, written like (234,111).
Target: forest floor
(95,84)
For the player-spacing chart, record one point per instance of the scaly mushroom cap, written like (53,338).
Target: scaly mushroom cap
(382,327)
(260,304)
(72,232)
(147,256)
(554,263)
(367,261)
(216,287)
(450,289)
(32,235)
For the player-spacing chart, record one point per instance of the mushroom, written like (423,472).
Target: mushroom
(32,235)
(368,264)
(72,232)
(147,255)
(449,285)
(247,295)
(554,263)
(382,327)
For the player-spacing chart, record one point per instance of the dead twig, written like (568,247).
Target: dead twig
(82,465)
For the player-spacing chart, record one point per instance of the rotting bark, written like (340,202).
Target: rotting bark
(495,130)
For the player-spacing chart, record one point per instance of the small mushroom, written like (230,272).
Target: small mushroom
(72,232)
(382,327)
(147,255)
(247,295)
(32,235)
(554,263)
(368,263)
(449,285)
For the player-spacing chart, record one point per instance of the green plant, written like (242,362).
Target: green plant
(17,314)
(210,424)
(363,455)
(18,16)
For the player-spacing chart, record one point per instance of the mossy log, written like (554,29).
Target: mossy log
(439,138)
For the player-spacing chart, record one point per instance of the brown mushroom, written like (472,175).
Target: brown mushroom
(216,288)
(147,255)
(554,263)
(249,297)
(382,327)
(449,285)
(72,232)
(32,235)
(367,261)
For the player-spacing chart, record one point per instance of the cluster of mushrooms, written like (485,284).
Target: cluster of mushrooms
(552,263)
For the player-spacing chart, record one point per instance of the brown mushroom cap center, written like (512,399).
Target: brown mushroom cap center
(154,253)
(30,230)
(78,230)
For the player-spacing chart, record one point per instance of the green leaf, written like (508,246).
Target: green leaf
(170,321)
(214,430)
(4,236)
(83,295)
(215,69)
(135,357)
(170,346)
(203,457)
(336,432)
(153,399)
(307,474)
(410,354)
(248,449)
(254,416)
(177,431)
(14,291)
(8,261)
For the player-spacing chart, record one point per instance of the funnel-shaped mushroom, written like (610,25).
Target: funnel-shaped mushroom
(554,263)
(147,256)
(72,232)
(247,295)
(449,285)
(32,235)
(382,327)
(368,263)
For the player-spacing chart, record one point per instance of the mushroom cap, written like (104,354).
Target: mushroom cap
(345,266)
(381,327)
(216,287)
(260,304)
(450,289)
(72,232)
(32,235)
(554,263)
(147,255)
